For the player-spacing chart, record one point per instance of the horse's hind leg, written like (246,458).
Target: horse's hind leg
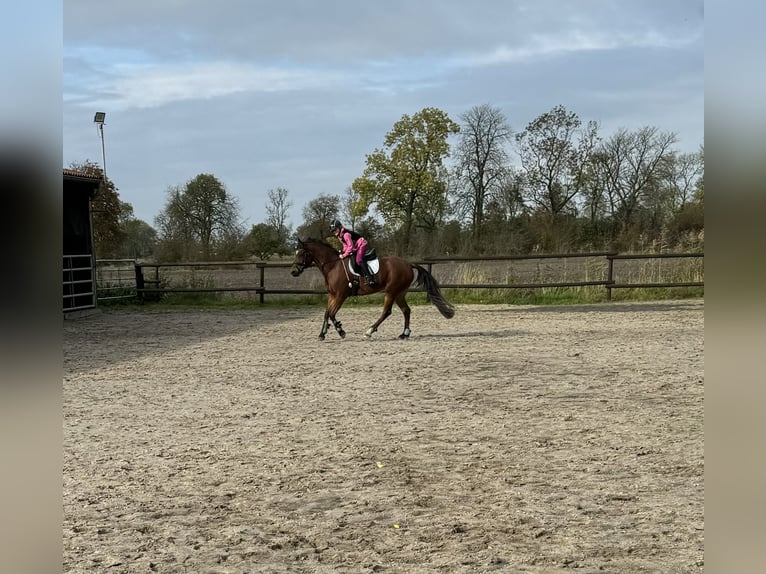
(402,302)
(387,304)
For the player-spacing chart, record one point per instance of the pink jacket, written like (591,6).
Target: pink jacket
(349,246)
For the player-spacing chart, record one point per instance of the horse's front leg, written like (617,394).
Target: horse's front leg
(333,306)
(339,328)
(325,325)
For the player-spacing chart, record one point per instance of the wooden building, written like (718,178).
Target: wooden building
(78,248)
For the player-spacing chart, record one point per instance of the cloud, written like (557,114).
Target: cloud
(141,86)
(573,41)
(124,78)
(146,86)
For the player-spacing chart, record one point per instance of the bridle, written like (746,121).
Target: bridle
(308,260)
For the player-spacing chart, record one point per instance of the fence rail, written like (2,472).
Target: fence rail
(150,284)
(115,279)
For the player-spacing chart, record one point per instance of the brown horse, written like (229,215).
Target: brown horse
(395,277)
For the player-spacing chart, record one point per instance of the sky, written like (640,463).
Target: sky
(295,94)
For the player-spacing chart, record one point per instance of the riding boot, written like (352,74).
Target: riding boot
(368,275)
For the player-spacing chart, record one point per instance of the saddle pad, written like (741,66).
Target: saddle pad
(374,266)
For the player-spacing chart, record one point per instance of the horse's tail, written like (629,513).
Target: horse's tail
(425,279)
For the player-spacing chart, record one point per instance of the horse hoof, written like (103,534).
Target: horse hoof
(368,333)
(403,336)
(342,334)
(321,337)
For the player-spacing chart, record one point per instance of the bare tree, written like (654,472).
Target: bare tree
(554,150)
(276,214)
(594,197)
(683,176)
(482,159)
(506,201)
(631,164)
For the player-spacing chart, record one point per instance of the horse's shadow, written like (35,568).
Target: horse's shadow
(502,334)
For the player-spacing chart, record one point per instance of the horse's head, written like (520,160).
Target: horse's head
(303,259)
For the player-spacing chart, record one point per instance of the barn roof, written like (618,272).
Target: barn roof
(73,174)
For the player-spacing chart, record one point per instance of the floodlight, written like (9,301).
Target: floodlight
(99,120)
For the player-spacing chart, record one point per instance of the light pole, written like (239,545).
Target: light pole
(99,119)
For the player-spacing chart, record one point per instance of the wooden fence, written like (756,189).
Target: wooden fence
(608,282)
(150,284)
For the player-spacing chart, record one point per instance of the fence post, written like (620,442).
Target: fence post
(139,282)
(262,280)
(610,276)
(430,271)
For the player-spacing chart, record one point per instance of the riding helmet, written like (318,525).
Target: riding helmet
(335,224)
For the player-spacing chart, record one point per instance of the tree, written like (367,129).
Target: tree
(230,245)
(506,203)
(554,154)
(263,241)
(594,201)
(630,165)
(482,159)
(200,213)
(276,216)
(317,215)
(106,207)
(348,204)
(176,239)
(685,171)
(140,239)
(405,180)
(699,188)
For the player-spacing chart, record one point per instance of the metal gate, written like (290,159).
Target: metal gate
(79,283)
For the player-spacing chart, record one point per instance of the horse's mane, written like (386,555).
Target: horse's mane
(320,242)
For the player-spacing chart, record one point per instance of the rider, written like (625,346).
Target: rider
(352,243)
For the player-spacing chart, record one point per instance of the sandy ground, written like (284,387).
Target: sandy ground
(515,439)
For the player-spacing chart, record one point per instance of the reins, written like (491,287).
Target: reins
(342,264)
(346,272)
(322,264)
